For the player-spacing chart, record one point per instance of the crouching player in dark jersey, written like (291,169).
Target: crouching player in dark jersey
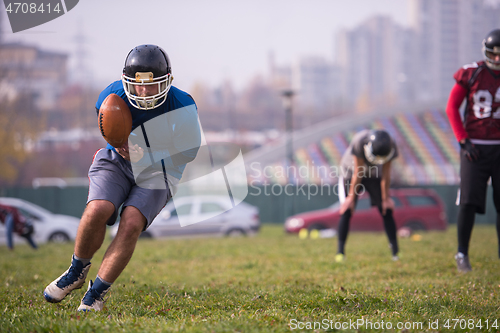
(366,166)
(141,176)
(479,139)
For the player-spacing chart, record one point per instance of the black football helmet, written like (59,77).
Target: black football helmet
(379,148)
(147,65)
(491,48)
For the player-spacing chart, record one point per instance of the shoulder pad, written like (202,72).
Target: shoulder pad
(473,65)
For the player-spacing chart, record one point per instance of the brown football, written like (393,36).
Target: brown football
(115,120)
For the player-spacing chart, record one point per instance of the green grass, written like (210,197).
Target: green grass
(270,282)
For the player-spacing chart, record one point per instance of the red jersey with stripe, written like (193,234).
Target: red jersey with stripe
(482,115)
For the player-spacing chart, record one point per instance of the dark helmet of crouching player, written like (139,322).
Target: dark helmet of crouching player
(379,148)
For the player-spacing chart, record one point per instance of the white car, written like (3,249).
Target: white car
(217,215)
(48,227)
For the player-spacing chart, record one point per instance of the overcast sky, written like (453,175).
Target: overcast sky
(207,41)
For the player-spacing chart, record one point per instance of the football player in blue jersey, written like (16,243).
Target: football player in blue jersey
(139,177)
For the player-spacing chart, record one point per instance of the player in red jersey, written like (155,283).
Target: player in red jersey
(479,138)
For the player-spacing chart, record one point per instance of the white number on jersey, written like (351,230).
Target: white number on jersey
(482,104)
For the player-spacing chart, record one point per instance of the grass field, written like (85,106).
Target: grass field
(269,283)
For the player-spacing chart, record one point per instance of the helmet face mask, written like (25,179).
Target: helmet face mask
(162,84)
(147,77)
(491,49)
(378,150)
(376,159)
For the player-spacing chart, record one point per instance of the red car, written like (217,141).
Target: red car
(416,209)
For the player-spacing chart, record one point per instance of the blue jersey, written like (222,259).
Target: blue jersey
(169,134)
(176,99)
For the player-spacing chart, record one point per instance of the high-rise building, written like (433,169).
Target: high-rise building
(384,63)
(374,58)
(449,35)
(317,86)
(317,82)
(27,69)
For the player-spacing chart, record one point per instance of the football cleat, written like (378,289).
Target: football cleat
(72,279)
(463,264)
(339,257)
(92,300)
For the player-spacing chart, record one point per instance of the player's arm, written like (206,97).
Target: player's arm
(357,176)
(457,95)
(385,184)
(132,153)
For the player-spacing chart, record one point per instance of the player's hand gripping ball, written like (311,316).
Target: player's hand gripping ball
(115,120)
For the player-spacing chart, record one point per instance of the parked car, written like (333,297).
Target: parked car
(217,216)
(415,209)
(48,227)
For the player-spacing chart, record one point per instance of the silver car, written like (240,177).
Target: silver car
(48,227)
(203,215)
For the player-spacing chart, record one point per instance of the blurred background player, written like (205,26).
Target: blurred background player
(15,222)
(146,87)
(479,139)
(366,166)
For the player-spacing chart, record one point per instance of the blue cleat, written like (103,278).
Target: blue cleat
(72,279)
(92,300)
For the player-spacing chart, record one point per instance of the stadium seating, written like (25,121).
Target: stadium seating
(428,151)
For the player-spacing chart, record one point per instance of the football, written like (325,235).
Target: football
(115,120)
